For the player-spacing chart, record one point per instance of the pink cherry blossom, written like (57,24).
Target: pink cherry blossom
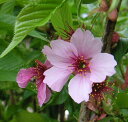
(25,75)
(82,57)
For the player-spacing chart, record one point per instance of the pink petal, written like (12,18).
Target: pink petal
(48,94)
(24,76)
(79,88)
(41,93)
(64,49)
(55,78)
(48,64)
(56,60)
(47,50)
(85,43)
(102,65)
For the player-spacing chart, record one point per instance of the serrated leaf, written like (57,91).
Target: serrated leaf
(29,18)
(120,50)
(62,19)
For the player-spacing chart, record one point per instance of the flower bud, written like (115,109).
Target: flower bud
(115,37)
(103,5)
(113,15)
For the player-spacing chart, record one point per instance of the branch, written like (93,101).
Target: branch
(84,115)
(107,39)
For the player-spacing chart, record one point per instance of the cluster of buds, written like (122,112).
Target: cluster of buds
(104,7)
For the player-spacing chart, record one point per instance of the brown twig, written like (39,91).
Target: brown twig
(110,26)
(82,115)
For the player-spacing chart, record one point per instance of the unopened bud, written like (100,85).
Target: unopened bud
(104,5)
(113,15)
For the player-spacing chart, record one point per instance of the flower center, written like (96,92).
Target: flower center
(40,68)
(81,65)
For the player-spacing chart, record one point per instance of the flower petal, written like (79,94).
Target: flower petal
(55,78)
(48,64)
(102,65)
(85,43)
(64,49)
(24,76)
(41,93)
(48,95)
(47,50)
(79,88)
(56,60)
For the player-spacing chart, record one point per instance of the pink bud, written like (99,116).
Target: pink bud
(113,15)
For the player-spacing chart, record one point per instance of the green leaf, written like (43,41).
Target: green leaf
(7,8)
(27,94)
(124,112)
(124,32)
(106,119)
(10,111)
(120,50)
(11,63)
(7,22)
(26,2)
(60,98)
(3,1)
(15,61)
(88,1)
(6,85)
(107,107)
(8,75)
(122,99)
(29,18)
(78,6)
(114,5)
(38,35)
(62,19)
(25,116)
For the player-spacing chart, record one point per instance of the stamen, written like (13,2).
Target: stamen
(81,65)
